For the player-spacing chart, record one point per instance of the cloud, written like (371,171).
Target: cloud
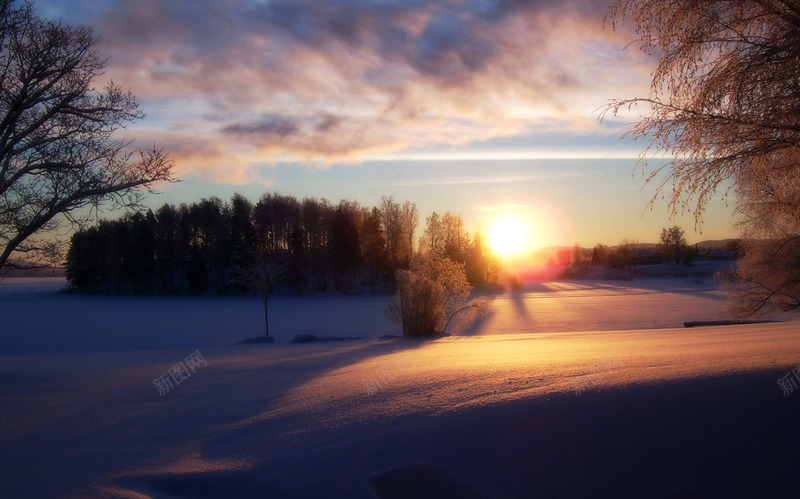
(271,127)
(336,80)
(513,179)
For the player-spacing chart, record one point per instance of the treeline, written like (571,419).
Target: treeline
(208,245)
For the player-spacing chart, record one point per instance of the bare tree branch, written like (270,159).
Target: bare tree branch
(59,149)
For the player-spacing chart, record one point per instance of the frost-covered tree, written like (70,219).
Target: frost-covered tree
(767,278)
(59,150)
(724,103)
(724,98)
(432,236)
(418,304)
(431,294)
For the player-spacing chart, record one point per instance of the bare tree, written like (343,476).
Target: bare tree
(724,103)
(59,150)
(262,271)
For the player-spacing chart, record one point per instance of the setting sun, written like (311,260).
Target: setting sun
(509,236)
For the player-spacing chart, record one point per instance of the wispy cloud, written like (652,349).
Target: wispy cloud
(337,80)
(512,179)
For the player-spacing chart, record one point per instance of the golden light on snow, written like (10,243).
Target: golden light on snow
(509,235)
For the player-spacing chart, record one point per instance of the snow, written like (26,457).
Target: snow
(603,305)
(633,412)
(45,321)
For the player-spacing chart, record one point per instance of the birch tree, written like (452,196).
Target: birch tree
(724,104)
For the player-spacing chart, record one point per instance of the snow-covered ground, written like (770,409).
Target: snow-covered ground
(46,321)
(38,319)
(576,411)
(541,307)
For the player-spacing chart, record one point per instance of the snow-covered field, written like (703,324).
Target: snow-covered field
(596,402)
(45,321)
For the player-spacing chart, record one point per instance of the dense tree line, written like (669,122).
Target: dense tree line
(216,246)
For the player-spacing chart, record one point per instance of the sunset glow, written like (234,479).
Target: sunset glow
(360,100)
(509,236)
(394,248)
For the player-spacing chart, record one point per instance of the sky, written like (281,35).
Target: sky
(478,107)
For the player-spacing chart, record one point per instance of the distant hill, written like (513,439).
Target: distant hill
(716,245)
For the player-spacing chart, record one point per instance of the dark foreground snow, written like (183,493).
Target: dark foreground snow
(148,397)
(648,413)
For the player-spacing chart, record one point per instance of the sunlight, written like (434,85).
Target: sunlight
(509,236)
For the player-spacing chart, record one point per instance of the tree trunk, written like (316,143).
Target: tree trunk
(266,317)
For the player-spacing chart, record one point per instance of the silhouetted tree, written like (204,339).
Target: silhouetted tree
(396,233)
(139,252)
(211,236)
(315,216)
(373,245)
(167,260)
(265,270)
(672,244)
(625,254)
(85,263)
(345,242)
(599,254)
(196,273)
(481,266)
(275,217)
(205,245)
(578,263)
(242,238)
(60,154)
(240,223)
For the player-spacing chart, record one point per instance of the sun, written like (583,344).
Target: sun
(509,236)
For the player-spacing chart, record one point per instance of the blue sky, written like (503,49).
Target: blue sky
(480,107)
